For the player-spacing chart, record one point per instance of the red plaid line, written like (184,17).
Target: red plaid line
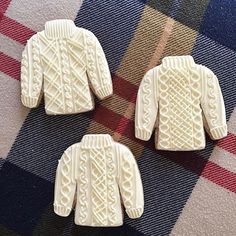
(228,143)
(15,30)
(10,66)
(220,176)
(124,88)
(3,6)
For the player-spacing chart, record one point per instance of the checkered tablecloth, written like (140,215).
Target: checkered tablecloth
(186,193)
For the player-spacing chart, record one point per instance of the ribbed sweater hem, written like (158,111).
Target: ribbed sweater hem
(134,213)
(104,92)
(142,134)
(219,132)
(61,210)
(30,102)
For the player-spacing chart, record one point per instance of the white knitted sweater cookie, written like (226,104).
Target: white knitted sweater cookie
(179,98)
(102,172)
(59,60)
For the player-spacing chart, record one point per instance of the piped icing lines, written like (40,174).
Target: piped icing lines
(78,71)
(164,127)
(127,183)
(65,74)
(189,98)
(83,198)
(25,74)
(64,58)
(37,71)
(211,99)
(31,73)
(91,173)
(146,100)
(111,196)
(99,190)
(181,109)
(104,72)
(195,86)
(66,180)
(53,84)
(91,55)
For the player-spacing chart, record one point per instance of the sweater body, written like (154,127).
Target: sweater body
(178,99)
(98,199)
(59,62)
(180,120)
(97,173)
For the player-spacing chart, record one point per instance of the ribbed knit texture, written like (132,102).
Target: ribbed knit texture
(105,92)
(100,169)
(61,210)
(29,101)
(63,58)
(219,132)
(59,28)
(179,92)
(134,213)
(142,134)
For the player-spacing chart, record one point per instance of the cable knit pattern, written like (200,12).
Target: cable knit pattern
(213,105)
(37,71)
(83,213)
(66,75)
(164,128)
(65,57)
(99,186)
(146,100)
(127,180)
(211,99)
(112,199)
(65,189)
(24,74)
(96,59)
(144,125)
(184,91)
(65,184)
(31,73)
(195,87)
(97,167)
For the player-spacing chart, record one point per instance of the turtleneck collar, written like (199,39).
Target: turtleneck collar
(96,141)
(59,28)
(176,61)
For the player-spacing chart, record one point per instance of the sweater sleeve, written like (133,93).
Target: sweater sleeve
(97,68)
(212,104)
(65,184)
(130,184)
(146,106)
(31,74)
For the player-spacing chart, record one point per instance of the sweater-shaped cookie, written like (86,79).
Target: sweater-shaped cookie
(60,61)
(178,99)
(95,174)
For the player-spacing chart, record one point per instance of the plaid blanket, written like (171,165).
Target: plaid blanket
(186,193)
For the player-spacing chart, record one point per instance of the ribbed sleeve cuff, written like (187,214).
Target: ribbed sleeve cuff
(61,210)
(104,92)
(142,134)
(134,213)
(219,132)
(29,101)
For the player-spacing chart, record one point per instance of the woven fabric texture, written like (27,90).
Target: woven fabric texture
(186,193)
